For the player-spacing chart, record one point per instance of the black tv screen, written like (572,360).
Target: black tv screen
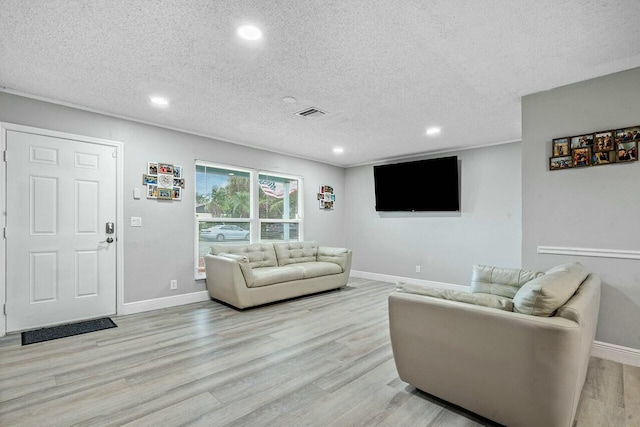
(423,185)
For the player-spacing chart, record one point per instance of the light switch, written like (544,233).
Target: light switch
(136,221)
(136,194)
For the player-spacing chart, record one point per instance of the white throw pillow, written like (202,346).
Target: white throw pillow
(543,295)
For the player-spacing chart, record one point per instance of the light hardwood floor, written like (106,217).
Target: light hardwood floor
(321,360)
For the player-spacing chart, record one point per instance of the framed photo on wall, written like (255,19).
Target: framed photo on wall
(176,194)
(149,179)
(627,134)
(152,168)
(166,168)
(561,147)
(602,147)
(603,141)
(581,157)
(562,162)
(582,141)
(627,151)
(152,192)
(603,157)
(165,193)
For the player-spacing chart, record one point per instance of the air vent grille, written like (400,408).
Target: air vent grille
(311,113)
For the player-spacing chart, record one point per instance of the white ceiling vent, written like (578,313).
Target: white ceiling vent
(311,113)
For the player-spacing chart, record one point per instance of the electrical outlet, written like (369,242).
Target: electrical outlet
(417,269)
(174,284)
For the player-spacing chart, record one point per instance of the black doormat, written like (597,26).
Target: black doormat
(61,331)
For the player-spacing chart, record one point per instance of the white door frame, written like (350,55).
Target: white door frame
(117,145)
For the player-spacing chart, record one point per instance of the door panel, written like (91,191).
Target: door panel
(43,276)
(60,195)
(43,205)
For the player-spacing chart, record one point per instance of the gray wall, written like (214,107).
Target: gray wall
(487,231)
(594,207)
(146,270)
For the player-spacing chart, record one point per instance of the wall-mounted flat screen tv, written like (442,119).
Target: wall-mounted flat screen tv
(418,186)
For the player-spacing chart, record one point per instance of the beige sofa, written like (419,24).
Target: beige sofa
(254,274)
(516,369)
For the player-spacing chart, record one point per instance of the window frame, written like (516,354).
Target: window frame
(254,220)
(299,216)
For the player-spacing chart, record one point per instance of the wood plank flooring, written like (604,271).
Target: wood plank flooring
(321,360)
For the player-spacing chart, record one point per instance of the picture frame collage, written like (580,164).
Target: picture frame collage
(326,197)
(595,149)
(164,181)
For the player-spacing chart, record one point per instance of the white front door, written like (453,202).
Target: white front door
(61,193)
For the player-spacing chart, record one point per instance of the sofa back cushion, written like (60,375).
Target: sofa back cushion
(486,300)
(544,295)
(504,282)
(258,254)
(237,257)
(294,252)
(338,256)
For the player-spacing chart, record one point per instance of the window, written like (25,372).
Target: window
(223,208)
(226,203)
(279,208)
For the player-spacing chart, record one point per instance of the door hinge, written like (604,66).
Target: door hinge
(4,309)
(4,155)
(4,232)
(114,154)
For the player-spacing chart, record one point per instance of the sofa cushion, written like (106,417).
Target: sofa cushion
(259,254)
(239,258)
(269,275)
(544,295)
(295,252)
(487,300)
(316,268)
(338,256)
(500,281)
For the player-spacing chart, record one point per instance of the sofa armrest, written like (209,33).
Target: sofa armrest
(225,280)
(340,256)
(512,368)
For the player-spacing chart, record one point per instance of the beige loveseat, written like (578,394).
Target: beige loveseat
(253,274)
(517,369)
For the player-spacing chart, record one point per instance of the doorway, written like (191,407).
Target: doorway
(62,239)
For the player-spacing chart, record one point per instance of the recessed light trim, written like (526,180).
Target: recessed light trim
(338,150)
(289,100)
(249,32)
(432,131)
(159,101)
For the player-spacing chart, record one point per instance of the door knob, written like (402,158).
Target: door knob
(109,240)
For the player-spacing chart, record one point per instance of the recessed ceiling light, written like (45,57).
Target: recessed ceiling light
(249,32)
(433,131)
(289,100)
(159,101)
(338,150)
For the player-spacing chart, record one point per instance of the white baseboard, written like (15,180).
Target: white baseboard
(165,302)
(603,350)
(617,353)
(395,279)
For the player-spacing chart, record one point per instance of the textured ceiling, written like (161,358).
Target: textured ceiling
(383,70)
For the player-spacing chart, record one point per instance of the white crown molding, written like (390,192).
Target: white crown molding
(157,124)
(164,302)
(432,153)
(590,252)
